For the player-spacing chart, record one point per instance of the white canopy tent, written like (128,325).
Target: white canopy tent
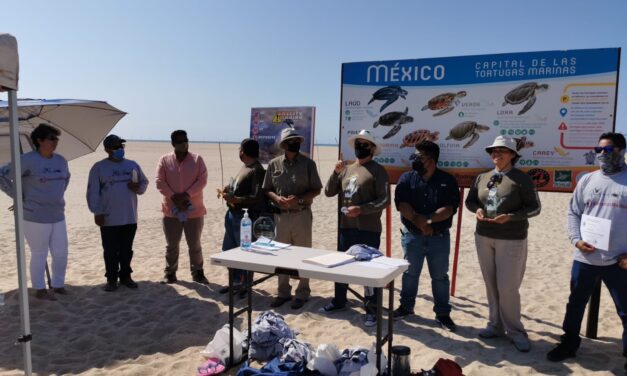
(9,71)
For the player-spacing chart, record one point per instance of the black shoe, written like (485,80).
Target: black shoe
(199,277)
(223,290)
(561,352)
(169,278)
(110,286)
(401,312)
(446,322)
(298,303)
(128,282)
(278,301)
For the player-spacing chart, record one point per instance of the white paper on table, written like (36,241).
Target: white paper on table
(596,231)
(393,262)
(266,244)
(375,265)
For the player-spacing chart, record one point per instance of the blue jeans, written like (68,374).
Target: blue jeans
(348,238)
(582,281)
(436,250)
(231,240)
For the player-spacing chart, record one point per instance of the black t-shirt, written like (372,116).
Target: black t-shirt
(425,197)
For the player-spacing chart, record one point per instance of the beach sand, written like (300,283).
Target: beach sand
(160,329)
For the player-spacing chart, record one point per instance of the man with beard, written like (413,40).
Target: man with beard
(427,198)
(244,193)
(363,187)
(599,195)
(292,182)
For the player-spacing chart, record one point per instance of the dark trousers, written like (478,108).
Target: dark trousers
(582,281)
(348,238)
(117,242)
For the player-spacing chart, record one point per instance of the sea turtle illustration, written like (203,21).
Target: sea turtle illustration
(522,143)
(524,93)
(393,119)
(445,102)
(389,94)
(414,138)
(467,129)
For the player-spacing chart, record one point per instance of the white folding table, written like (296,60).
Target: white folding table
(290,261)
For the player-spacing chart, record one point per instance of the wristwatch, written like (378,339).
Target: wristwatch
(429,220)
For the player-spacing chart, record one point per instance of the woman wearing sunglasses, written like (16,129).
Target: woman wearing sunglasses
(45,177)
(503,199)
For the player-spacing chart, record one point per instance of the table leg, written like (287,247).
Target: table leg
(231,319)
(249,287)
(390,323)
(378,292)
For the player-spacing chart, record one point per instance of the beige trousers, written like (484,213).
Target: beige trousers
(173,230)
(294,228)
(503,267)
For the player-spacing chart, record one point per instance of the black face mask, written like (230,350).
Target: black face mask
(293,147)
(362,152)
(417,164)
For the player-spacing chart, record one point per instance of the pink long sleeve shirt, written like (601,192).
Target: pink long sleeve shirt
(189,176)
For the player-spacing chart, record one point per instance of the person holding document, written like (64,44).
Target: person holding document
(597,215)
(503,200)
(363,187)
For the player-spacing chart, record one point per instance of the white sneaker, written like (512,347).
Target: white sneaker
(371,320)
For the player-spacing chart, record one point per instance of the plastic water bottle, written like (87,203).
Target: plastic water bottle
(134,176)
(245,232)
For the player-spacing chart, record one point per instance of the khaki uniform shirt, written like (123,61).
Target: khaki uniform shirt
(295,177)
(365,186)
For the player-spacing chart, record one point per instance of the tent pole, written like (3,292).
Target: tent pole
(16,168)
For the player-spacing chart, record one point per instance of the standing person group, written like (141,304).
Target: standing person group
(503,200)
(45,177)
(181,178)
(112,190)
(600,195)
(363,190)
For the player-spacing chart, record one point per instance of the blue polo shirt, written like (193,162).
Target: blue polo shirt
(425,197)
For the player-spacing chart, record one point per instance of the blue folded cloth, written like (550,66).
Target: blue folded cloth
(363,252)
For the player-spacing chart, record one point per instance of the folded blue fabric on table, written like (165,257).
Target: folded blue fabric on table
(363,252)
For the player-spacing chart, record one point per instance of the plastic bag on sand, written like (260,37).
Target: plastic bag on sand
(370,369)
(219,346)
(323,360)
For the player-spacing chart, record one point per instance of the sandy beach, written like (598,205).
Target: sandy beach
(160,329)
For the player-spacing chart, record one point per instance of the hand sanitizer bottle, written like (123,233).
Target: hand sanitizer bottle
(245,232)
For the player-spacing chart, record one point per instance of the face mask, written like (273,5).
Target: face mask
(419,167)
(611,163)
(118,154)
(293,147)
(181,147)
(362,152)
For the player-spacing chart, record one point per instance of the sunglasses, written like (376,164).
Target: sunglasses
(121,146)
(365,145)
(495,180)
(608,149)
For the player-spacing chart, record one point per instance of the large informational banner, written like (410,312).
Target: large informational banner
(554,103)
(267,123)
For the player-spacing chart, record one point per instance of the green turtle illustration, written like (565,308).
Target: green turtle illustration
(445,102)
(393,119)
(524,93)
(467,129)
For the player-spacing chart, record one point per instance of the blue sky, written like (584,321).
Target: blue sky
(201,65)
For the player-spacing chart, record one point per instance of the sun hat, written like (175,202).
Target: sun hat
(290,133)
(112,140)
(366,136)
(503,142)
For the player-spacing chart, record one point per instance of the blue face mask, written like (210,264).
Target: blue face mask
(118,154)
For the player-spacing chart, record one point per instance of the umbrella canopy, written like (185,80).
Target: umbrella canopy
(83,124)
